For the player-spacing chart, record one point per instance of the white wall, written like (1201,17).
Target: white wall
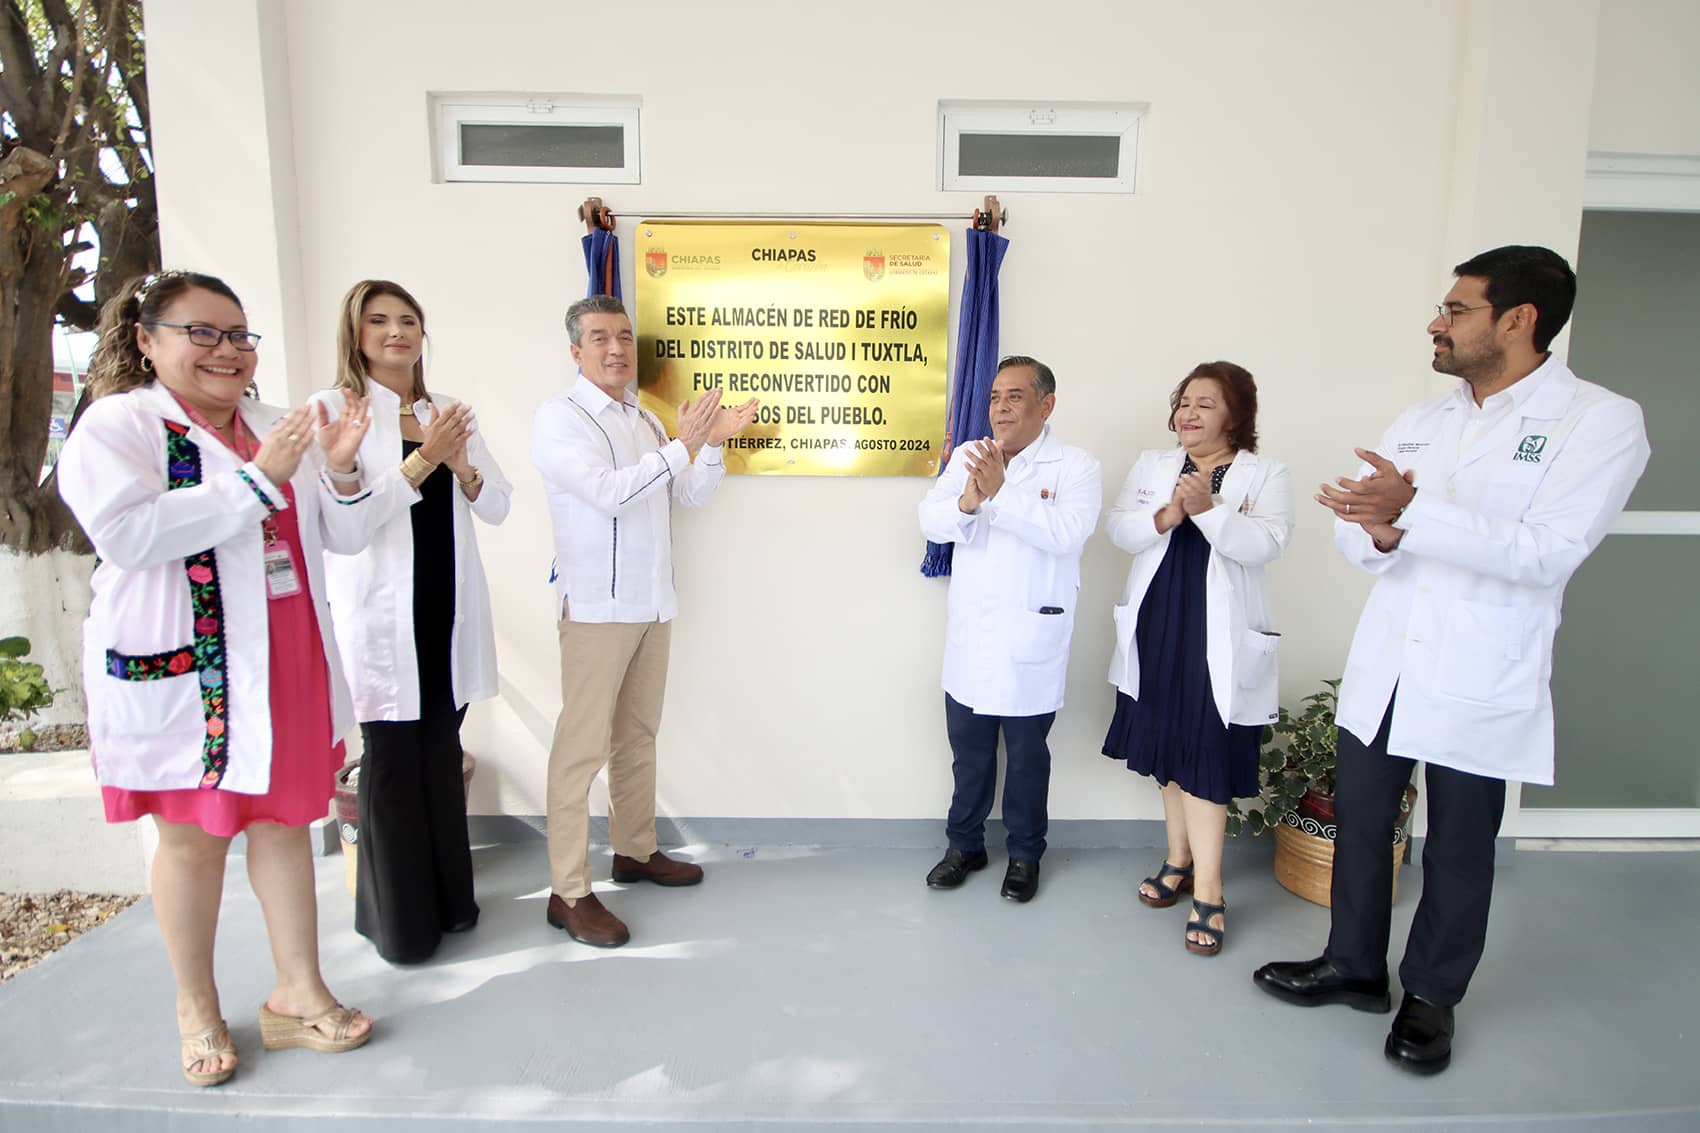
(1647,89)
(1312,171)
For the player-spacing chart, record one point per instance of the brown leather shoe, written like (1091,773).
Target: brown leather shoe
(588,921)
(658,868)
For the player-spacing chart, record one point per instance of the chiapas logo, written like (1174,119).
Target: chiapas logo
(873,265)
(655,262)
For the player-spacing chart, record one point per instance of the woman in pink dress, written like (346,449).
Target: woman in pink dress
(216,704)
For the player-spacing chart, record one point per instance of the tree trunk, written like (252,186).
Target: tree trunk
(32,269)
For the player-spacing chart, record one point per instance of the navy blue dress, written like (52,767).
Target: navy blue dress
(1173,732)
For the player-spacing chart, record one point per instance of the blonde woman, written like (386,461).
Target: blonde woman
(412,612)
(216,699)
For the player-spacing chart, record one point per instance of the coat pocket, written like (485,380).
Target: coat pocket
(149,711)
(1487,654)
(1254,660)
(1037,639)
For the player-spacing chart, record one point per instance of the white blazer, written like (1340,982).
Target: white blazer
(371,591)
(1248,526)
(1015,557)
(156,718)
(1464,610)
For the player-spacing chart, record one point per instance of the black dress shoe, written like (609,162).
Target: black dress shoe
(953,869)
(1421,1038)
(1021,880)
(1312,983)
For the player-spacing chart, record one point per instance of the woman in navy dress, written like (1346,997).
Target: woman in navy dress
(1194,665)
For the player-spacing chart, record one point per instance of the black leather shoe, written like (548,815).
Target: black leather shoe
(1312,983)
(953,869)
(1421,1038)
(1021,880)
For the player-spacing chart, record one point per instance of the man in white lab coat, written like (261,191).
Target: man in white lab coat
(1018,506)
(1473,513)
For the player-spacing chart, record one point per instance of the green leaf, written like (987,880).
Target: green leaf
(14,646)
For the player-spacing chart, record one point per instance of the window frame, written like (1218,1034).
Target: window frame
(451,111)
(957,117)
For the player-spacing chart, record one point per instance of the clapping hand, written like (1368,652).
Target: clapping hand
(443,439)
(1376,499)
(1192,493)
(280,453)
(697,418)
(730,421)
(339,439)
(985,469)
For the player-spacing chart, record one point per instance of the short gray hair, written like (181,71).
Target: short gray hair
(591,305)
(1044,382)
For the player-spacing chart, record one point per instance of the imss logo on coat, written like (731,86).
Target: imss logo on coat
(1530,448)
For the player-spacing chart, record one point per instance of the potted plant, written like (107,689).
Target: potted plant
(1296,770)
(24,690)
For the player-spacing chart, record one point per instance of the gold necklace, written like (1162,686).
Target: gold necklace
(407,409)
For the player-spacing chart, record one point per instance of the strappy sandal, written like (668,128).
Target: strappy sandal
(1203,911)
(210,1045)
(1166,895)
(280,1032)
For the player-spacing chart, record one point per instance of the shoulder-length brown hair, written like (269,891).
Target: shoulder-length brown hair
(1239,390)
(351,373)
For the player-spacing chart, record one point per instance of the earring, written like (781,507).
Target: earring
(147,364)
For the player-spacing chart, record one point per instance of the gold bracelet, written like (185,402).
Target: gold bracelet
(416,468)
(471,481)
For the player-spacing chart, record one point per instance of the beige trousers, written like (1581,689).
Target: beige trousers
(613,675)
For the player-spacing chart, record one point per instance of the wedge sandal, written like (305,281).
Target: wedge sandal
(281,1032)
(1199,923)
(207,1046)
(1166,894)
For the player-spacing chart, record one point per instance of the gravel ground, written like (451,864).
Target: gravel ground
(32,925)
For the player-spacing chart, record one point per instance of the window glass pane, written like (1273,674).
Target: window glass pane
(1635,333)
(1038,155)
(572,147)
(1623,678)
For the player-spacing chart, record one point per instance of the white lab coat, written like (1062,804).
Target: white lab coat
(371,591)
(1248,526)
(1464,610)
(1018,554)
(147,734)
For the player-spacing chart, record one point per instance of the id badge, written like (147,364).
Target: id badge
(282,579)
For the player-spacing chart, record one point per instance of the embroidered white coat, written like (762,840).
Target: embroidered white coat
(1247,527)
(371,592)
(1464,610)
(1016,556)
(147,735)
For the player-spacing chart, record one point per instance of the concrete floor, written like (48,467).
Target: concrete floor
(804,987)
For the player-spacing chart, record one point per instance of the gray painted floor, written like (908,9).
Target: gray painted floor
(802,987)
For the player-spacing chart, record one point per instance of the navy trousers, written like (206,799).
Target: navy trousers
(1450,928)
(1027,782)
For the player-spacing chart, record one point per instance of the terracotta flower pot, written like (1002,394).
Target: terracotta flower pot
(348,811)
(1304,846)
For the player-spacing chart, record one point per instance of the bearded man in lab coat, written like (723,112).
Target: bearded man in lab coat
(1018,507)
(1473,513)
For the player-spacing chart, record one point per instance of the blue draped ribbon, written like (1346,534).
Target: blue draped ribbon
(976,364)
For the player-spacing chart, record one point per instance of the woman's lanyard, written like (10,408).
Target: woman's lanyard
(282,579)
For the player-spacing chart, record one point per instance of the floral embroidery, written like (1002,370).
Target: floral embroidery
(151,667)
(206,655)
(183,459)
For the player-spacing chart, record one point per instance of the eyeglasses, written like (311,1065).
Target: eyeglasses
(1447,314)
(212,336)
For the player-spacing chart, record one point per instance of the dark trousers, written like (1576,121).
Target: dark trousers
(974,764)
(414,875)
(1450,928)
